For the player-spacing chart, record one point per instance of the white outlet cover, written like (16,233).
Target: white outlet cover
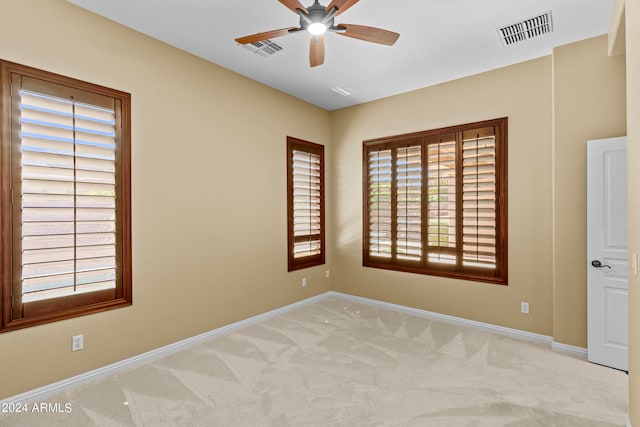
(77,342)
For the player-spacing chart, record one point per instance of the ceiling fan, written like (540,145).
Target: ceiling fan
(317,19)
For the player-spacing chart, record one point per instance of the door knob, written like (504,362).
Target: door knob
(597,264)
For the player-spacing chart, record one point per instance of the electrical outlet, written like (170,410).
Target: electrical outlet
(77,342)
(326,274)
(304,282)
(524,307)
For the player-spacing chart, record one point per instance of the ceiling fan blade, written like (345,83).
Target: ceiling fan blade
(293,5)
(316,51)
(264,36)
(342,5)
(369,34)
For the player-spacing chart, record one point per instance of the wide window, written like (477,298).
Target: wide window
(435,202)
(65,201)
(305,204)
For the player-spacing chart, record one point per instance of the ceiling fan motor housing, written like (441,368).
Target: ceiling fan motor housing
(317,15)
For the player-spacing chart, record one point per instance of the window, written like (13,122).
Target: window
(435,202)
(305,203)
(65,197)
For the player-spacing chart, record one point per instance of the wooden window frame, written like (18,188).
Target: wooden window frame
(499,275)
(13,313)
(313,260)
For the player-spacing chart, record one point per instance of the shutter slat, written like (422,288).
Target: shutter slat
(47,255)
(47,201)
(47,269)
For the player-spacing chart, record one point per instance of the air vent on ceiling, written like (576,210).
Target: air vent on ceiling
(526,29)
(263,48)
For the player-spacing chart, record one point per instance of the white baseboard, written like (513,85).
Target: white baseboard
(44,392)
(502,330)
(41,393)
(579,352)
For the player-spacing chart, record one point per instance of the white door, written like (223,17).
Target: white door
(607,257)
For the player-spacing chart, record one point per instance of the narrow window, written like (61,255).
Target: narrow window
(305,204)
(66,248)
(435,202)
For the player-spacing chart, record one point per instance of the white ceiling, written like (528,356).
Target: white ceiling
(440,40)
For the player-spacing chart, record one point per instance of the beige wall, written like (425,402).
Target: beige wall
(205,254)
(523,93)
(588,103)
(632,23)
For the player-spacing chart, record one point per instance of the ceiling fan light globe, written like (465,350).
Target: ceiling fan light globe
(317,28)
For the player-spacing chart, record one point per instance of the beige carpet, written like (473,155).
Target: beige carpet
(340,363)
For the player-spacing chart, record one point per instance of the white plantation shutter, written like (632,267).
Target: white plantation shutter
(379,199)
(409,203)
(306,204)
(479,201)
(68,197)
(441,188)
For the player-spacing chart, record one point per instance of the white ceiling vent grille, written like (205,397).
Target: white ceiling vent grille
(527,29)
(263,48)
